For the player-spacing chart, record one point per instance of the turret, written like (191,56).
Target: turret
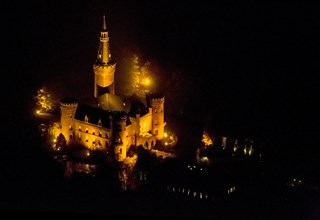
(120,150)
(68,107)
(158,122)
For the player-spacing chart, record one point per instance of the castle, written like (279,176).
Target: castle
(109,122)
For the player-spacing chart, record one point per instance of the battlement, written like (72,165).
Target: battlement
(68,102)
(159,99)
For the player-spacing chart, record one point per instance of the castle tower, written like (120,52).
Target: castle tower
(104,68)
(68,109)
(120,150)
(158,123)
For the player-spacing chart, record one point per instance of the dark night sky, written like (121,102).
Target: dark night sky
(250,67)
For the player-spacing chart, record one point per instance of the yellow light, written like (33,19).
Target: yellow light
(88,153)
(166,143)
(147,81)
(54,140)
(165,134)
(245,150)
(38,111)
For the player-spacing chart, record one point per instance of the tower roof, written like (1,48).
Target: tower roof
(104,23)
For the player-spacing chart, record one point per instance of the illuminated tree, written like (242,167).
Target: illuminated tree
(135,74)
(206,138)
(137,78)
(44,101)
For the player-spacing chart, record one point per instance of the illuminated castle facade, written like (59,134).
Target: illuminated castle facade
(109,122)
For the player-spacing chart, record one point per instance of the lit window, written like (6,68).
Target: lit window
(99,122)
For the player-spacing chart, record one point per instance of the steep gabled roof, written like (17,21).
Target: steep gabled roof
(93,114)
(138,107)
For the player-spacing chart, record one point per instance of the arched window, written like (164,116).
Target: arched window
(86,118)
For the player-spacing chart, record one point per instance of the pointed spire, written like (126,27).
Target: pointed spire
(104,23)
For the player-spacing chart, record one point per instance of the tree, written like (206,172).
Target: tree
(206,138)
(137,78)
(45,101)
(146,160)
(61,142)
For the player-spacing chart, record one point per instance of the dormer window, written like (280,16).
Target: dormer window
(99,122)
(86,119)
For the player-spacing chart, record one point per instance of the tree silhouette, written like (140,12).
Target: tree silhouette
(61,142)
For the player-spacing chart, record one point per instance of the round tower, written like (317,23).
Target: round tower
(104,68)
(158,123)
(68,109)
(120,149)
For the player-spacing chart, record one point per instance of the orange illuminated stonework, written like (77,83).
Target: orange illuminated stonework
(109,122)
